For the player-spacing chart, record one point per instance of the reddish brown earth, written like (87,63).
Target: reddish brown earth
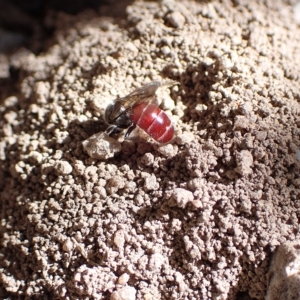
(197,218)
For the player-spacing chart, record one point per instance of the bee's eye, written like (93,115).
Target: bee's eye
(108,113)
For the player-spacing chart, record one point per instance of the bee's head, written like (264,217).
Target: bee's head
(117,117)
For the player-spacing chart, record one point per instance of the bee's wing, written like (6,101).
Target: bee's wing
(144,93)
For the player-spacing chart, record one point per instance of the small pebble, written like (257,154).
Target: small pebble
(101,146)
(182,197)
(176,19)
(63,168)
(125,293)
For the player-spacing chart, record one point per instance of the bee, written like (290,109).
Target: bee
(140,108)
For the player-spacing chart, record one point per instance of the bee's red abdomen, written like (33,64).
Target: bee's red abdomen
(153,121)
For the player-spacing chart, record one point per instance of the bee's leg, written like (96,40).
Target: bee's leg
(129,130)
(109,130)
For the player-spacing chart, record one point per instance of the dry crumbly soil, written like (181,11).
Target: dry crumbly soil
(195,219)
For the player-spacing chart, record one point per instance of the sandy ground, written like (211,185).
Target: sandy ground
(195,219)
